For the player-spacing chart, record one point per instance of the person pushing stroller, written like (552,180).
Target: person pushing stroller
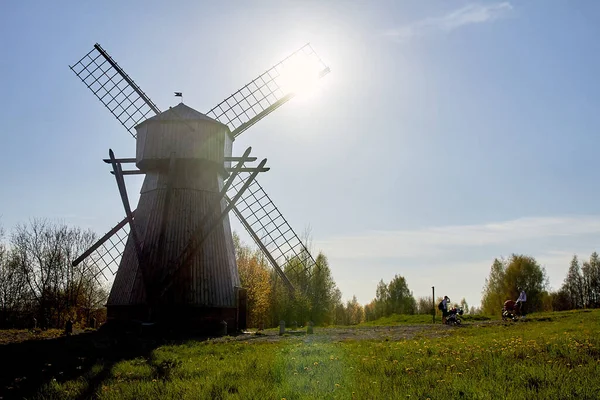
(443,307)
(521,301)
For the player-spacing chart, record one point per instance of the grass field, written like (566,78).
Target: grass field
(22,335)
(547,356)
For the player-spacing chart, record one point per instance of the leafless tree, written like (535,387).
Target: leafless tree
(45,251)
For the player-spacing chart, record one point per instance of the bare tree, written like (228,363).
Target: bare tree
(45,251)
(13,288)
(11,284)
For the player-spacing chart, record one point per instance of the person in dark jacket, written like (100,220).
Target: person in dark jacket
(445,307)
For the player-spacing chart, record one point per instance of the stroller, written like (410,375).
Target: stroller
(511,310)
(453,314)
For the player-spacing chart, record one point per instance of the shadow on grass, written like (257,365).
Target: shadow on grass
(27,366)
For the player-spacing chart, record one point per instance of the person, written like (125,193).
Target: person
(445,313)
(521,301)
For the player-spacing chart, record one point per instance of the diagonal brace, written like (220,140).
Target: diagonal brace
(201,235)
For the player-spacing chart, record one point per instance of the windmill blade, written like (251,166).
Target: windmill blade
(104,256)
(114,88)
(271,231)
(269,91)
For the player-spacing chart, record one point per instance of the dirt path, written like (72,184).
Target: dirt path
(396,332)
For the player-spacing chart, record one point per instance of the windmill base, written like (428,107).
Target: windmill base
(181,318)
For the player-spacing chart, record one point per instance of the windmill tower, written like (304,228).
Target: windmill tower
(173,256)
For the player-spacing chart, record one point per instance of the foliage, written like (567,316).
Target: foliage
(506,276)
(424,305)
(255,277)
(400,300)
(551,356)
(581,287)
(464,305)
(354,312)
(315,298)
(392,298)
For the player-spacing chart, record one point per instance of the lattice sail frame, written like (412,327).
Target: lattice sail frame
(269,228)
(114,88)
(104,260)
(263,94)
(130,105)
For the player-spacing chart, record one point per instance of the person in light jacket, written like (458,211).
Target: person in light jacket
(521,301)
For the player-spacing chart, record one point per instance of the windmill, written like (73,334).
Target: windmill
(173,256)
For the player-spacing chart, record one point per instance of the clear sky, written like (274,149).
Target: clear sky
(448,133)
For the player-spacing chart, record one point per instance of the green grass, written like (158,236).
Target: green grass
(553,355)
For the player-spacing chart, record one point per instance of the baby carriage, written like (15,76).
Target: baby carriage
(453,314)
(511,310)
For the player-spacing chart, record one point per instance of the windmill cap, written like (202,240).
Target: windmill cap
(185,132)
(178,113)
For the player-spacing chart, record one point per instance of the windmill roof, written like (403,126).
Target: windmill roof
(181,112)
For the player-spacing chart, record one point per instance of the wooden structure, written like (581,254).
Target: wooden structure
(182,153)
(173,257)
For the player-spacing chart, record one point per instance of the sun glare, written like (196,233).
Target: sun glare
(300,75)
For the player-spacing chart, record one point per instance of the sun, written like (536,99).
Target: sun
(299,75)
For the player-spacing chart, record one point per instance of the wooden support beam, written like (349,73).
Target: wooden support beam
(119,160)
(248,169)
(133,160)
(249,159)
(123,192)
(130,172)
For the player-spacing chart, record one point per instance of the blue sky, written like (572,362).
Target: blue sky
(447,134)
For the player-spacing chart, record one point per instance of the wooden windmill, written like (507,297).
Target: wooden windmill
(173,256)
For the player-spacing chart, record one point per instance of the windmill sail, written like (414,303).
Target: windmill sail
(114,88)
(104,256)
(271,231)
(268,91)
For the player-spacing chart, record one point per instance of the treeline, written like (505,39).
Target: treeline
(392,298)
(38,282)
(316,298)
(396,298)
(580,289)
